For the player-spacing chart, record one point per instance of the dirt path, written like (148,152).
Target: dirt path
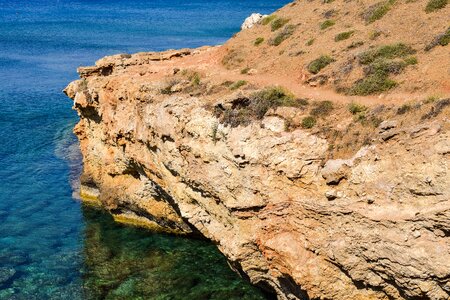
(208,61)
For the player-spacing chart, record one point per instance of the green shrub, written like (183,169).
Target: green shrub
(343,36)
(379,64)
(195,79)
(326,24)
(374,83)
(398,50)
(258,41)
(322,108)
(318,64)
(310,42)
(287,31)
(356,108)
(434,5)
(308,122)
(377,11)
(412,60)
(244,110)
(238,84)
(268,19)
(278,23)
(245,70)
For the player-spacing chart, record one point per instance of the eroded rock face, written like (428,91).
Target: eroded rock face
(374,226)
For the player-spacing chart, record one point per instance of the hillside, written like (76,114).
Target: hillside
(392,47)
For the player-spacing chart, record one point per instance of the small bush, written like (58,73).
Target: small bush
(326,24)
(374,34)
(278,23)
(377,11)
(379,64)
(244,110)
(268,19)
(245,70)
(322,108)
(437,109)
(232,59)
(309,122)
(258,41)
(238,84)
(412,60)
(398,50)
(343,36)
(195,79)
(442,39)
(434,5)
(310,42)
(374,83)
(271,98)
(403,109)
(355,45)
(287,31)
(318,64)
(356,108)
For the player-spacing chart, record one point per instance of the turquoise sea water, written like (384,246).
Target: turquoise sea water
(52,247)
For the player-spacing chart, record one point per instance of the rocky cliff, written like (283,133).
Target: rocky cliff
(307,198)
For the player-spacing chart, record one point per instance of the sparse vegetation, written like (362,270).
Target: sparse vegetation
(399,50)
(354,45)
(310,42)
(194,78)
(258,41)
(322,108)
(442,39)
(268,19)
(355,108)
(287,31)
(379,64)
(434,5)
(377,11)
(238,84)
(232,59)
(244,110)
(167,89)
(326,24)
(437,109)
(343,36)
(372,84)
(318,64)
(403,109)
(278,23)
(245,70)
(374,34)
(308,122)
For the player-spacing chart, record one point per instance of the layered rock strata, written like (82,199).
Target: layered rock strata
(371,226)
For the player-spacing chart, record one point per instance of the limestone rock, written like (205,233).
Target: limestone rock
(253,19)
(166,162)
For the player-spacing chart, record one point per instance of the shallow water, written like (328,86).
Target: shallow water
(52,247)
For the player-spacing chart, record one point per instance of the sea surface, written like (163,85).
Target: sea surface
(51,246)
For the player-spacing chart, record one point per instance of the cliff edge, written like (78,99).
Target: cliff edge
(313,187)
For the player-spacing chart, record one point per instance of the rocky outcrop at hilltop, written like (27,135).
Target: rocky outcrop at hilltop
(290,213)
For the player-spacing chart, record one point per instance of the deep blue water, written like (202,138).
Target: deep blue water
(51,246)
